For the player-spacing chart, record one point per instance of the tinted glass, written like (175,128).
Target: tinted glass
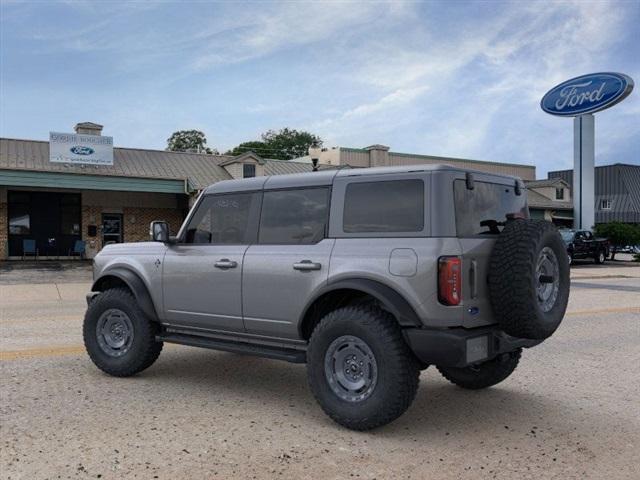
(294,216)
(19,213)
(248,170)
(484,209)
(389,206)
(70,219)
(224,219)
(19,219)
(567,235)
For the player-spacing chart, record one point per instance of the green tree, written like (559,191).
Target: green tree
(619,234)
(257,147)
(188,141)
(288,144)
(283,144)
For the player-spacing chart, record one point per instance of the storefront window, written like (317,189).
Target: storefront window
(19,217)
(19,220)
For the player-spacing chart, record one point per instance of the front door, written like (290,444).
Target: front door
(289,263)
(202,273)
(111,228)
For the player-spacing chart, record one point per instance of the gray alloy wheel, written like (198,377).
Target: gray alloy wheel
(350,368)
(114,332)
(547,278)
(120,339)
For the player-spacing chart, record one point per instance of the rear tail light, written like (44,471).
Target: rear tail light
(449,280)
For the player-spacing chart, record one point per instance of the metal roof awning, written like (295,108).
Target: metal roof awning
(31,178)
(562,217)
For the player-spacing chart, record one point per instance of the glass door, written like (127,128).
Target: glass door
(111,228)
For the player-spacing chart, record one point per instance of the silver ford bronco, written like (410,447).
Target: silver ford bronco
(366,275)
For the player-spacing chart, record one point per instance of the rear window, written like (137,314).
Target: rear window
(483,210)
(385,206)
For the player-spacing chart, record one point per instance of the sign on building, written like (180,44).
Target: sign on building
(80,149)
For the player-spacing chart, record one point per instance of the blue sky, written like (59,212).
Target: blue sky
(461,79)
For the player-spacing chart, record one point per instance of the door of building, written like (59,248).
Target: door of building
(111,228)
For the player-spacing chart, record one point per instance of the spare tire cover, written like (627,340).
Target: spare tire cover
(529,279)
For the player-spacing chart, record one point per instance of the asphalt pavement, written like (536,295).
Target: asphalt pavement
(570,410)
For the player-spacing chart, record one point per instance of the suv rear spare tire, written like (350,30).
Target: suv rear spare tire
(529,279)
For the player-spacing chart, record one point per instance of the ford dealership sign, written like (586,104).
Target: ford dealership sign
(80,149)
(587,94)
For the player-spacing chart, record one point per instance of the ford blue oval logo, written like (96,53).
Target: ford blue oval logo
(79,150)
(587,94)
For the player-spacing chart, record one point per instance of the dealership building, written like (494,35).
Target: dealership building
(78,189)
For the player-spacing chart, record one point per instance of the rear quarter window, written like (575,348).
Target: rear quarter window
(384,206)
(483,210)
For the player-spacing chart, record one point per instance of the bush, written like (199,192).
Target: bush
(619,234)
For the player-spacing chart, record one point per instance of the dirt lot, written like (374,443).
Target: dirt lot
(569,411)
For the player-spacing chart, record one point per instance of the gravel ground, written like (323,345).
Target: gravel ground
(569,411)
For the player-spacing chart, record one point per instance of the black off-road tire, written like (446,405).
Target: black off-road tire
(397,369)
(484,375)
(513,279)
(143,349)
(600,257)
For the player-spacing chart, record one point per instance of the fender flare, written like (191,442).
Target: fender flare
(395,303)
(135,284)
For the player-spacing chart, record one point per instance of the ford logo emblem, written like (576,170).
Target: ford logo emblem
(79,150)
(587,94)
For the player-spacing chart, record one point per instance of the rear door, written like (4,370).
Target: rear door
(289,262)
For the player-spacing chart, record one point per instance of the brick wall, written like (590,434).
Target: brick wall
(91,216)
(135,223)
(137,220)
(4,227)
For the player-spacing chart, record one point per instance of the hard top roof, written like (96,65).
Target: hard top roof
(326,177)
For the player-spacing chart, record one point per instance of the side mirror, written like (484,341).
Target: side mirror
(159,231)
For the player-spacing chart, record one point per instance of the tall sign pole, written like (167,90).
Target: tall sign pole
(584,171)
(580,97)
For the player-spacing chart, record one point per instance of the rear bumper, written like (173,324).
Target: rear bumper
(460,347)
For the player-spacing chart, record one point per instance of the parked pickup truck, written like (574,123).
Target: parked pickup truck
(582,244)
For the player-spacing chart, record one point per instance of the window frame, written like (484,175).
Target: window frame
(253,221)
(559,193)
(607,202)
(325,233)
(340,184)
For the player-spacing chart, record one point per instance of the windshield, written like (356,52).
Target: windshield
(483,210)
(567,235)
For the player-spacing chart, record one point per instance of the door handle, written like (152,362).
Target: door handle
(225,263)
(307,265)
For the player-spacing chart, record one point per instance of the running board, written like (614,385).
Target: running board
(289,355)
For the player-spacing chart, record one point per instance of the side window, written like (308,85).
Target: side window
(297,216)
(384,206)
(224,219)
